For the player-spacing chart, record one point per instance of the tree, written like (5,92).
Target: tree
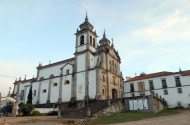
(29,101)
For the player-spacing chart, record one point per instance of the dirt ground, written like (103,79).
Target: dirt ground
(182,118)
(37,120)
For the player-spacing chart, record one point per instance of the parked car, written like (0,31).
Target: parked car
(52,113)
(1,114)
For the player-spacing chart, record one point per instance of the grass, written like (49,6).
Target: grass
(130,116)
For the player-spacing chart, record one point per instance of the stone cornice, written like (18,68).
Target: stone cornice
(86,30)
(56,63)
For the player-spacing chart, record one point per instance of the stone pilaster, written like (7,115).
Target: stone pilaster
(24,95)
(39,92)
(107,78)
(49,90)
(97,83)
(60,87)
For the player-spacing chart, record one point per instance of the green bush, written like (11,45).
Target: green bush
(36,113)
(25,109)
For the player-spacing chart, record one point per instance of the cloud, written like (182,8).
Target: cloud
(170,28)
(13,69)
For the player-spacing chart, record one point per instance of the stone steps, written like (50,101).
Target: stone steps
(94,108)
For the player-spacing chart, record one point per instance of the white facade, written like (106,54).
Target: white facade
(78,78)
(176,92)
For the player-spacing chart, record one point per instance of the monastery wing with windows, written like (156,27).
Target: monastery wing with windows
(171,86)
(93,73)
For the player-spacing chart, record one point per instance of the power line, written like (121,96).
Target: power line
(8,76)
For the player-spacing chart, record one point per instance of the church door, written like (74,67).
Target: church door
(114,94)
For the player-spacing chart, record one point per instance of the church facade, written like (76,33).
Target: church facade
(92,74)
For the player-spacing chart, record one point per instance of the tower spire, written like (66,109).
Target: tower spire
(86,19)
(112,43)
(104,35)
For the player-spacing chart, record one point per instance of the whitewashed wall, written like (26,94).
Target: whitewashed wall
(46,72)
(80,92)
(67,67)
(173,96)
(35,86)
(92,58)
(54,94)
(45,110)
(81,48)
(81,63)
(43,96)
(92,84)
(66,88)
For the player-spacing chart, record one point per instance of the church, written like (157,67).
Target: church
(92,74)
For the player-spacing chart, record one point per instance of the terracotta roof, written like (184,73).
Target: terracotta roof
(185,73)
(158,74)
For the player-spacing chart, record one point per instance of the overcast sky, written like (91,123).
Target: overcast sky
(151,35)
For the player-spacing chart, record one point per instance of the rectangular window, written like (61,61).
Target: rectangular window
(165,92)
(151,85)
(44,91)
(132,87)
(179,90)
(110,68)
(34,93)
(164,84)
(22,95)
(177,81)
(67,71)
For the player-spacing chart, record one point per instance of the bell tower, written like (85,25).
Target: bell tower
(85,37)
(86,45)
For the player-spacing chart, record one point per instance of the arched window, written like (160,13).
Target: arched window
(103,91)
(67,82)
(82,40)
(55,84)
(91,40)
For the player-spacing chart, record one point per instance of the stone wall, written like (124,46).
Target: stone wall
(154,104)
(158,104)
(112,109)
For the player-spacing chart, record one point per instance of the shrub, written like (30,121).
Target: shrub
(36,113)
(25,109)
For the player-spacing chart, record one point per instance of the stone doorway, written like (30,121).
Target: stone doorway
(13,101)
(114,94)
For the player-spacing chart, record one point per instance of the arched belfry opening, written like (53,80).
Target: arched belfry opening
(91,40)
(114,94)
(82,40)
